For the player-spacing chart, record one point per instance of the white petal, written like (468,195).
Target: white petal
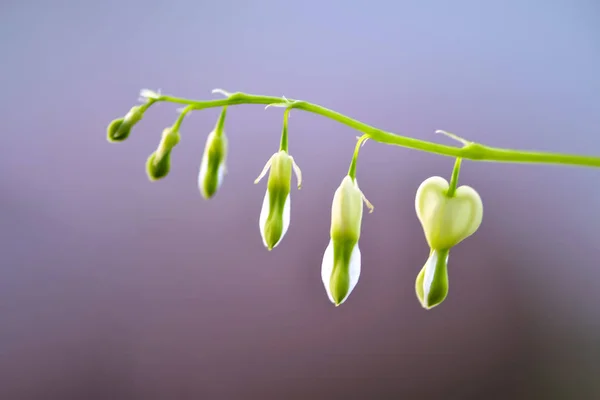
(202,175)
(297,171)
(287,207)
(353,270)
(264,214)
(221,174)
(327,269)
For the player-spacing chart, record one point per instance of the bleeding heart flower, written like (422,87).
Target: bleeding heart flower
(274,218)
(341,264)
(446,220)
(213,165)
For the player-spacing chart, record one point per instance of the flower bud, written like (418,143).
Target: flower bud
(340,269)
(274,218)
(447,221)
(432,282)
(159,162)
(120,128)
(212,168)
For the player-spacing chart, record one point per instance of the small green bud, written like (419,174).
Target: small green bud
(158,165)
(432,282)
(341,264)
(274,218)
(118,131)
(212,167)
(447,221)
(120,128)
(159,162)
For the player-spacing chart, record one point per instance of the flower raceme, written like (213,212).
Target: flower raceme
(213,165)
(274,219)
(446,220)
(448,215)
(341,264)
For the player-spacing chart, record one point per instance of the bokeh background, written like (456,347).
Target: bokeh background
(112,287)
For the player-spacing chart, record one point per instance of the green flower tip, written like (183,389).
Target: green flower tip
(118,130)
(158,166)
(432,282)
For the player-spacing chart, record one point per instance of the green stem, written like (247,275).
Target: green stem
(221,121)
(182,115)
(352,169)
(471,151)
(284,133)
(454,179)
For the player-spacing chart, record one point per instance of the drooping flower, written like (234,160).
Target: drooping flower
(447,221)
(159,162)
(340,269)
(213,165)
(274,219)
(119,129)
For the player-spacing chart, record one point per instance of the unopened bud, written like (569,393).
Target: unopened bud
(341,264)
(212,167)
(119,129)
(159,162)
(274,218)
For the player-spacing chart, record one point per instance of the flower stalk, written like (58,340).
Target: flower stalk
(471,151)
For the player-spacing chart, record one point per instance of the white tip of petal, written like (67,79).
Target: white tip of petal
(327,271)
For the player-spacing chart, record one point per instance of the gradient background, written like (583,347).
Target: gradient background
(112,287)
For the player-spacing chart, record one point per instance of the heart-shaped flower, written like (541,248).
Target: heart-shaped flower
(340,268)
(447,220)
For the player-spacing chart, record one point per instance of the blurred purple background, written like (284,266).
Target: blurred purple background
(112,287)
